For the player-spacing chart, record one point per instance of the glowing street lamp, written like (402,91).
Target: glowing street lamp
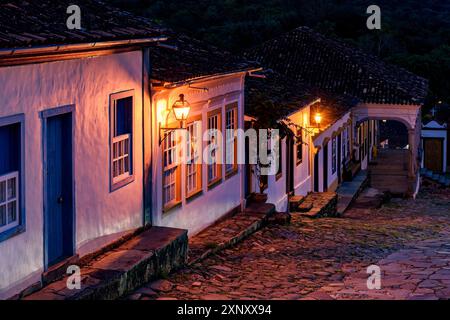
(318,118)
(180,109)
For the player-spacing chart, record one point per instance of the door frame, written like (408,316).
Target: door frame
(316,172)
(442,140)
(325,167)
(45,115)
(290,166)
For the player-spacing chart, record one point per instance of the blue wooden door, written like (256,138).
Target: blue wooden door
(59,188)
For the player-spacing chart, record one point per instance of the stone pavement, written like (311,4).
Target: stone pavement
(227,232)
(327,258)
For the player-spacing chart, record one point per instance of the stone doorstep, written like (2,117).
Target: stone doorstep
(318,204)
(295,201)
(156,251)
(257,215)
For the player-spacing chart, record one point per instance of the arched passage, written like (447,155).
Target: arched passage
(395,168)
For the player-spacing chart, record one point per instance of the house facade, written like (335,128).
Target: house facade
(193,188)
(190,193)
(357,91)
(71,136)
(89,153)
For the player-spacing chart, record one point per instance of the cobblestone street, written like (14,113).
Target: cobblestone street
(327,258)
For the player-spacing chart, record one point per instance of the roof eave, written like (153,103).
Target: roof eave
(175,84)
(78,47)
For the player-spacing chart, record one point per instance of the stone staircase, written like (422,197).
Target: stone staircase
(389,173)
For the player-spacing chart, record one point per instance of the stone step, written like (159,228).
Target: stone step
(304,207)
(156,251)
(295,201)
(319,204)
(261,208)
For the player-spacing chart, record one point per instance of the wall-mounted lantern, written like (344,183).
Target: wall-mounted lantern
(318,118)
(180,109)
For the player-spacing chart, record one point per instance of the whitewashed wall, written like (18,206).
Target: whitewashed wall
(302,171)
(276,188)
(197,214)
(87,83)
(319,142)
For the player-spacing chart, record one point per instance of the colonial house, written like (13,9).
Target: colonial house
(275,101)
(89,134)
(368,90)
(71,133)
(193,193)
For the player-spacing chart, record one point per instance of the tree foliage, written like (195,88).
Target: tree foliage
(415,33)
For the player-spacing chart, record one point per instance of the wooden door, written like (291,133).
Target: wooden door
(59,189)
(434,154)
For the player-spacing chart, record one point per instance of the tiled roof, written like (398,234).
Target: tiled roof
(182,58)
(43,22)
(277,96)
(336,67)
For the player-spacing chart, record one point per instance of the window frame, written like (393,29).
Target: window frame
(218,179)
(176,167)
(333,154)
(21,226)
(116,183)
(199,167)
(299,146)
(233,106)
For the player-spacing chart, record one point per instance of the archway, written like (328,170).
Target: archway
(396,166)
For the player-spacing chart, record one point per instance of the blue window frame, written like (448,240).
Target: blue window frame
(12,182)
(121,144)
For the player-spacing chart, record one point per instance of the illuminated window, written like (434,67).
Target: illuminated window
(171,178)
(193,165)
(214,168)
(231,140)
(299,143)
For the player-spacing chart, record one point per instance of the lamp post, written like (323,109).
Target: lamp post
(180,109)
